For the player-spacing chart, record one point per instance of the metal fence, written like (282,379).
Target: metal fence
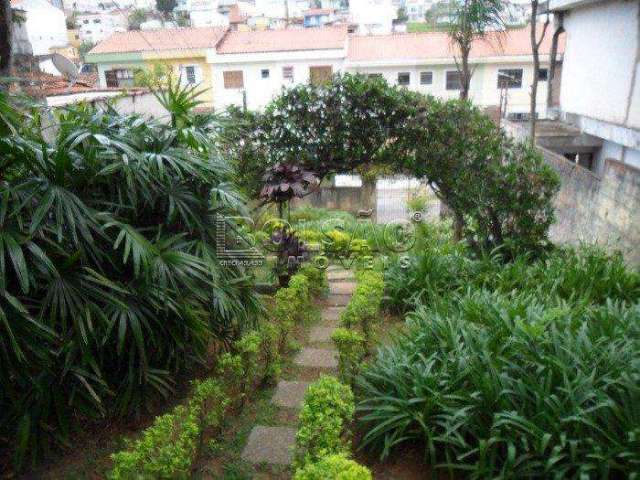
(393,195)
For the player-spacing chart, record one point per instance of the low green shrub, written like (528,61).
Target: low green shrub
(326,413)
(337,243)
(334,467)
(501,385)
(167,449)
(318,282)
(364,307)
(351,348)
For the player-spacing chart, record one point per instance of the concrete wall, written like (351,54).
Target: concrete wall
(602,209)
(348,199)
(601,63)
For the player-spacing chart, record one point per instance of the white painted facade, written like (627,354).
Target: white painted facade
(484,90)
(45,26)
(373,17)
(257,90)
(95,27)
(260,91)
(278,8)
(600,90)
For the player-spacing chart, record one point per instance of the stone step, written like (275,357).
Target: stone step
(272,445)
(338,300)
(336,275)
(342,288)
(332,313)
(290,394)
(317,358)
(321,334)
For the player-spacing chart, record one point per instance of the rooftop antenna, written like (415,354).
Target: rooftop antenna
(66,67)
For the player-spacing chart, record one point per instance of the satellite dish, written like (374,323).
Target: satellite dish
(65,66)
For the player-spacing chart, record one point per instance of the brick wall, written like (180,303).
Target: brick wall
(603,209)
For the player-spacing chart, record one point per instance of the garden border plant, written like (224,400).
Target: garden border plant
(169,448)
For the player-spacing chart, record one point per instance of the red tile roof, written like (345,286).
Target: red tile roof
(163,39)
(419,46)
(284,40)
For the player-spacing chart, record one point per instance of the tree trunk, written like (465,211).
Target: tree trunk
(465,73)
(553,59)
(536,72)
(5,39)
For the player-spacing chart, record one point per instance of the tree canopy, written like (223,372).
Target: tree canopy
(503,191)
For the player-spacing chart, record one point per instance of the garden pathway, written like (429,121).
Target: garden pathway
(273,445)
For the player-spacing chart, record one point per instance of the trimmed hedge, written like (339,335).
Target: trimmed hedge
(364,306)
(334,467)
(327,411)
(351,348)
(168,448)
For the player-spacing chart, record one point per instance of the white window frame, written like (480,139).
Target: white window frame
(197,74)
(424,72)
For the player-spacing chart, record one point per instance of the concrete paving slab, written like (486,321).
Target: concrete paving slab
(290,394)
(321,334)
(342,288)
(317,357)
(272,445)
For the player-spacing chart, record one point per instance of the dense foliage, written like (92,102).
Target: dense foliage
(324,420)
(520,369)
(334,467)
(500,193)
(109,281)
(170,446)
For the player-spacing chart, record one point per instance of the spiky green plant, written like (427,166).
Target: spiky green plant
(109,279)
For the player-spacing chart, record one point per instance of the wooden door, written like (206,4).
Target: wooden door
(320,75)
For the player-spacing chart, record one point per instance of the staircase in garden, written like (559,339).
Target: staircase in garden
(273,445)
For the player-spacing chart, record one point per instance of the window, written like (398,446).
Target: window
(190,74)
(120,77)
(287,73)
(374,75)
(543,74)
(320,75)
(453,80)
(404,78)
(510,78)
(426,78)
(233,79)
(264,73)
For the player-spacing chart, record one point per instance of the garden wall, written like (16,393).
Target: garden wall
(348,199)
(603,209)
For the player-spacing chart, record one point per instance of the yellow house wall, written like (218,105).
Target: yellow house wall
(177,58)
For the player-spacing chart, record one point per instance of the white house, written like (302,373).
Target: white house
(95,27)
(600,91)
(44,23)
(373,16)
(252,67)
(281,8)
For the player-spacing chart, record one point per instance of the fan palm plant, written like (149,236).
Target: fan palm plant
(109,280)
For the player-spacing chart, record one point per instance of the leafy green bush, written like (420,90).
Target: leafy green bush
(582,275)
(337,243)
(503,385)
(334,467)
(318,282)
(364,306)
(326,413)
(110,286)
(351,348)
(168,448)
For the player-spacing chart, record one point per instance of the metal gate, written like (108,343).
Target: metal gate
(393,194)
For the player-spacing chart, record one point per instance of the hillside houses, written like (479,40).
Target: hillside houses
(250,67)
